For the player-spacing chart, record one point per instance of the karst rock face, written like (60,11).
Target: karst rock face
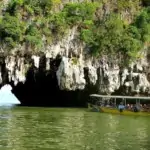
(104,73)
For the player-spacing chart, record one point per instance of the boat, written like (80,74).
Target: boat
(97,104)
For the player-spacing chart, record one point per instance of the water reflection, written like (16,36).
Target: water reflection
(71,129)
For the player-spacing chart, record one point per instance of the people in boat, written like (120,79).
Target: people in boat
(121,107)
(128,106)
(146,108)
(137,107)
(108,104)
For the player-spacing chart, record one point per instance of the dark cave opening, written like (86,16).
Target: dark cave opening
(41,88)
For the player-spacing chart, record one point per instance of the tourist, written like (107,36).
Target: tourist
(121,107)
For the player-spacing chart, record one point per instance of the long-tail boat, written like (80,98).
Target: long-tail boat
(99,103)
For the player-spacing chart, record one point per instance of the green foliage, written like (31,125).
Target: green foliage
(33,37)
(36,7)
(9,42)
(33,41)
(58,24)
(55,3)
(142,22)
(130,45)
(133,32)
(111,35)
(87,35)
(29,9)
(126,4)
(105,35)
(78,12)
(30,20)
(46,31)
(10,26)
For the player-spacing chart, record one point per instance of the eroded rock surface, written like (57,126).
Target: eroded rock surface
(104,73)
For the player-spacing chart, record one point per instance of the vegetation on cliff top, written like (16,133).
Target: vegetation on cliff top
(36,23)
(28,21)
(112,35)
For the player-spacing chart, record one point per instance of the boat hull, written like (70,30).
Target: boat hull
(116,111)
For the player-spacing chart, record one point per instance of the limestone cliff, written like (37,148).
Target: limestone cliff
(77,68)
(105,73)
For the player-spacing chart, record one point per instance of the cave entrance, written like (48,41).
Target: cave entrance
(41,88)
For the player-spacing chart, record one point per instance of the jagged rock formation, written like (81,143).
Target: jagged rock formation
(104,73)
(70,76)
(134,78)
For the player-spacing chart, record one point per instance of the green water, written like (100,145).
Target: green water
(71,129)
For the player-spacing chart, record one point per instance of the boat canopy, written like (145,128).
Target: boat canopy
(122,97)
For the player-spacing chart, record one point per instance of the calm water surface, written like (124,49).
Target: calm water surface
(71,129)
